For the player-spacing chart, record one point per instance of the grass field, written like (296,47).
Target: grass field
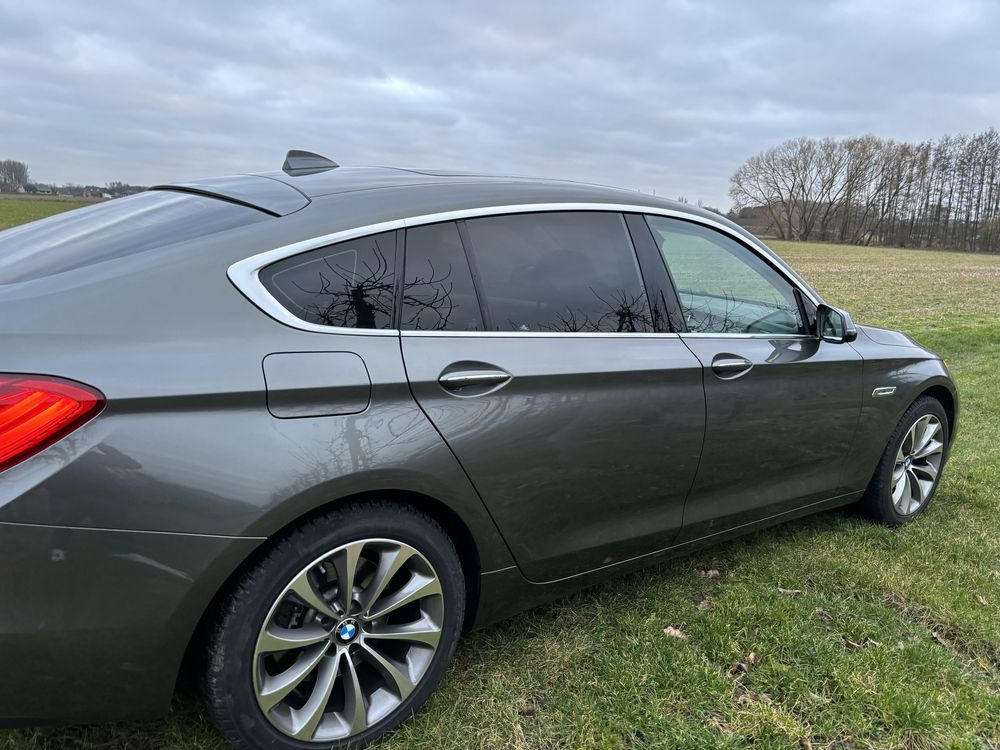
(881,638)
(18,209)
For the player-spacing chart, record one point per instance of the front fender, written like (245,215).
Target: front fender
(911,371)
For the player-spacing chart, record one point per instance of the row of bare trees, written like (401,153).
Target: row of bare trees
(875,191)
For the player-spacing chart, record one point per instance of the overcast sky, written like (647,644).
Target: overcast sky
(664,96)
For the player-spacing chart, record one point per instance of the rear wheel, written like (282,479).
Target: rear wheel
(910,469)
(339,633)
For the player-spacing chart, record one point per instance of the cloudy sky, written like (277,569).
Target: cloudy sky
(664,96)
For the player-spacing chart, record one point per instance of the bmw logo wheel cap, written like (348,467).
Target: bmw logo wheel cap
(347,631)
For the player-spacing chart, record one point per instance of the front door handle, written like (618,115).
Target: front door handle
(728,366)
(465,378)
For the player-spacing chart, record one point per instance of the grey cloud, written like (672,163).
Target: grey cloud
(666,96)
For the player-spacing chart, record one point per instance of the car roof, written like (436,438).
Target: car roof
(323,201)
(355,196)
(351,179)
(280,193)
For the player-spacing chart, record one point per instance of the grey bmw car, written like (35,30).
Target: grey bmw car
(299,430)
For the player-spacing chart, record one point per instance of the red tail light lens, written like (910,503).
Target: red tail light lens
(36,411)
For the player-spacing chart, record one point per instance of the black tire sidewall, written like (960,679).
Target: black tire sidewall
(231,689)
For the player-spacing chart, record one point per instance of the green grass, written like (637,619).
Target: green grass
(18,209)
(893,642)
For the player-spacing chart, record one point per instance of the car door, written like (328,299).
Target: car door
(782,406)
(578,422)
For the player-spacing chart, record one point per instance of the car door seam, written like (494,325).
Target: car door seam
(486,508)
(704,437)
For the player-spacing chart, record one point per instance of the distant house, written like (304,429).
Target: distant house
(37,188)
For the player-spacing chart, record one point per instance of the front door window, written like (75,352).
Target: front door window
(722,286)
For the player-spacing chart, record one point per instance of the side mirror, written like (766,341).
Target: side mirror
(835,325)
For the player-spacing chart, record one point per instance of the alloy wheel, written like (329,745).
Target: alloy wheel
(917,464)
(348,640)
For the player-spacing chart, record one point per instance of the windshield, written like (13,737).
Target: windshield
(114,229)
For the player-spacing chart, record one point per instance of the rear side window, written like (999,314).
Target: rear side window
(563,271)
(349,285)
(117,228)
(438,293)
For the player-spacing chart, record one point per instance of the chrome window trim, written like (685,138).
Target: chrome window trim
(539,334)
(244,274)
(741,336)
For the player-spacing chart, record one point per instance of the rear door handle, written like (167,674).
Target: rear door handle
(728,366)
(465,378)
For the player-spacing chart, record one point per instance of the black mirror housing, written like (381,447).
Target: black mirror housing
(835,325)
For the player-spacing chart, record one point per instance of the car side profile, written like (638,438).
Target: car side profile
(300,430)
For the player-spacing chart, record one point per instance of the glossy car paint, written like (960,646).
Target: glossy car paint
(778,433)
(581,417)
(94,619)
(115,541)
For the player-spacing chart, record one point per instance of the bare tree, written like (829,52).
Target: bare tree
(875,191)
(14,175)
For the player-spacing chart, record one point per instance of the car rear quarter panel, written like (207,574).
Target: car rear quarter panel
(96,622)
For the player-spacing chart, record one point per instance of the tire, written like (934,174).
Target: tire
(293,594)
(880,503)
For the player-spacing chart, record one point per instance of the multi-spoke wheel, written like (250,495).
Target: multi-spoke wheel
(339,633)
(917,464)
(908,473)
(348,640)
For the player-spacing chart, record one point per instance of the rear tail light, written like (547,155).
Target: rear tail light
(36,411)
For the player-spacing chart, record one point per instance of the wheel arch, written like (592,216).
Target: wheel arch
(944,395)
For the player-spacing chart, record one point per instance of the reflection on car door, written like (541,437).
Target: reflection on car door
(579,424)
(782,405)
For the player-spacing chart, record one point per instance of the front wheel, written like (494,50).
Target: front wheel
(908,474)
(339,633)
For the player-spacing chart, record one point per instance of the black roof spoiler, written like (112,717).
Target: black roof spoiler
(255,191)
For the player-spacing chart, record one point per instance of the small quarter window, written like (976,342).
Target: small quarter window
(569,272)
(349,285)
(438,293)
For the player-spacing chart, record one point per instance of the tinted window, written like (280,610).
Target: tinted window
(571,272)
(723,287)
(438,293)
(350,284)
(124,226)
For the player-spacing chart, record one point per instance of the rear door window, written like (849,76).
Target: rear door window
(348,285)
(570,272)
(114,229)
